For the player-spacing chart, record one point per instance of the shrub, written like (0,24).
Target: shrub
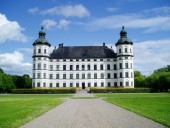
(44,91)
(121,90)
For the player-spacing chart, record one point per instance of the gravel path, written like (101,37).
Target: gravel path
(90,113)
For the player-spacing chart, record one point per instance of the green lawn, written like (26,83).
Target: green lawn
(16,110)
(154,106)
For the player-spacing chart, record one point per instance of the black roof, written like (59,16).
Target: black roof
(81,52)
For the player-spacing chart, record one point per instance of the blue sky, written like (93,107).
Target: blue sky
(84,22)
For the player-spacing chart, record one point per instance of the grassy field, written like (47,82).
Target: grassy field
(154,106)
(16,110)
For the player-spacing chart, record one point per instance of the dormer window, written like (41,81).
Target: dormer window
(45,51)
(120,51)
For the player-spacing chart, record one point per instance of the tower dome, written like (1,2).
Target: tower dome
(41,39)
(123,38)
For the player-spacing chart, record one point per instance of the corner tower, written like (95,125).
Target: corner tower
(40,60)
(125,70)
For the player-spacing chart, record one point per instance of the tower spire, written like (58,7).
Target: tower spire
(123,33)
(42,33)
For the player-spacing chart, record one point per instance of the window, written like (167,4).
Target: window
(131,74)
(51,67)
(57,76)
(64,84)
(120,51)
(89,84)
(125,49)
(126,74)
(95,76)
(126,57)
(44,75)
(44,84)
(51,76)
(33,75)
(34,66)
(89,76)
(64,67)
(39,65)
(83,67)
(108,59)
(77,76)
(64,76)
(131,65)
(71,84)
(115,67)
(127,83)
(57,84)
(77,59)
(126,65)
(95,84)
(38,84)
(71,60)
(38,75)
(102,84)
(88,67)
(130,50)
(101,67)
(121,83)
(82,59)
(83,76)
(115,75)
(88,59)
(108,84)
(45,66)
(77,84)
(102,76)
(108,75)
(71,67)
(34,51)
(64,60)
(95,67)
(39,50)
(71,76)
(45,51)
(115,84)
(101,59)
(77,67)
(94,59)
(120,65)
(108,66)
(57,67)
(120,74)
(51,84)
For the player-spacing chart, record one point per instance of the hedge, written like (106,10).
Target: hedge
(121,90)
(44,91)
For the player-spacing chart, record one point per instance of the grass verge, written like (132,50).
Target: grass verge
(16,110)
(155,106)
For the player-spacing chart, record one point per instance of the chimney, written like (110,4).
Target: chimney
(60,45)
(103,44)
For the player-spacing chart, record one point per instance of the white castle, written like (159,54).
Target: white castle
(83,66)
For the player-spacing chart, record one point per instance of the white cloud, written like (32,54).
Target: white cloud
(61,24)
(13,63)
(109,9)
(68,11)
(10,30)
(151,55)
(47,23)
(33,10)
(156,19)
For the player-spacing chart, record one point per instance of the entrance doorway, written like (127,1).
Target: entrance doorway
(83,85)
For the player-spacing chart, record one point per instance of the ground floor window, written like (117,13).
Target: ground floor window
(64,84)
(71,84)
(121,83)
(57,84)
(127,83)
(115,84)
(95,84)
(33,84)
(77,84)
(44,84)
(38,84)
(89,84)
(102,84)
(51,84)
(108,84)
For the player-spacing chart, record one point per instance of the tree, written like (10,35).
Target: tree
(1,71)
(140,80)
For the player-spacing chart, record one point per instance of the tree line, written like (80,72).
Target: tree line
(9,82)
(159,80)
